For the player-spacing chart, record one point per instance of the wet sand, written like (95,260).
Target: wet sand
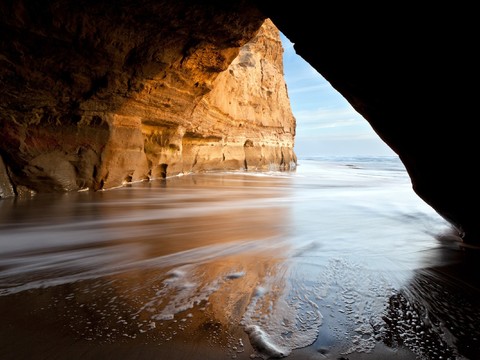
(101,319)
(236,266)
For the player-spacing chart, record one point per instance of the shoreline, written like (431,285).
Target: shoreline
(354,266)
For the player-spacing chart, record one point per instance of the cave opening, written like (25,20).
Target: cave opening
(326,123)
(163,171)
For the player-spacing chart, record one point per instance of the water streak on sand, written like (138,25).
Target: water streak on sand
(339,258)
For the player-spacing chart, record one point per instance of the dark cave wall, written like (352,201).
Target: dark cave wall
(409,72)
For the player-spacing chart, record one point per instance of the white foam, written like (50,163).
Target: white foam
(260,291)
(262,342)
(235,275)
(281,317)
(179,293)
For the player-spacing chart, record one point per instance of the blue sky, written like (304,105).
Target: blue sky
(326,123)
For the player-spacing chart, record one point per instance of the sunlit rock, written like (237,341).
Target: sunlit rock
(142,91)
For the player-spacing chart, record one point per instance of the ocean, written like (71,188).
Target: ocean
(338,259)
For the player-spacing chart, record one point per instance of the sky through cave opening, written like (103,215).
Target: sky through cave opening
(327,125)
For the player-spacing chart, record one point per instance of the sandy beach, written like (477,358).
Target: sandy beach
(333,261)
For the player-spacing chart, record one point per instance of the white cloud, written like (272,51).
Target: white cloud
(347,136)
(328,117)
(307,88)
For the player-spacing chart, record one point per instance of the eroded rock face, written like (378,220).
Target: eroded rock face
(97,95)
(250,110)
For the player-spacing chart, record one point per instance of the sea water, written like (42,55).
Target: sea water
(336,258)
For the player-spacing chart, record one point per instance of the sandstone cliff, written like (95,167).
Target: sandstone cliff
(250,111)
(97,101)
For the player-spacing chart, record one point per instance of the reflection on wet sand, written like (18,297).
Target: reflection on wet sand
(233,266)
(437,314)
(191,303)
(434,314)
(124,275)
